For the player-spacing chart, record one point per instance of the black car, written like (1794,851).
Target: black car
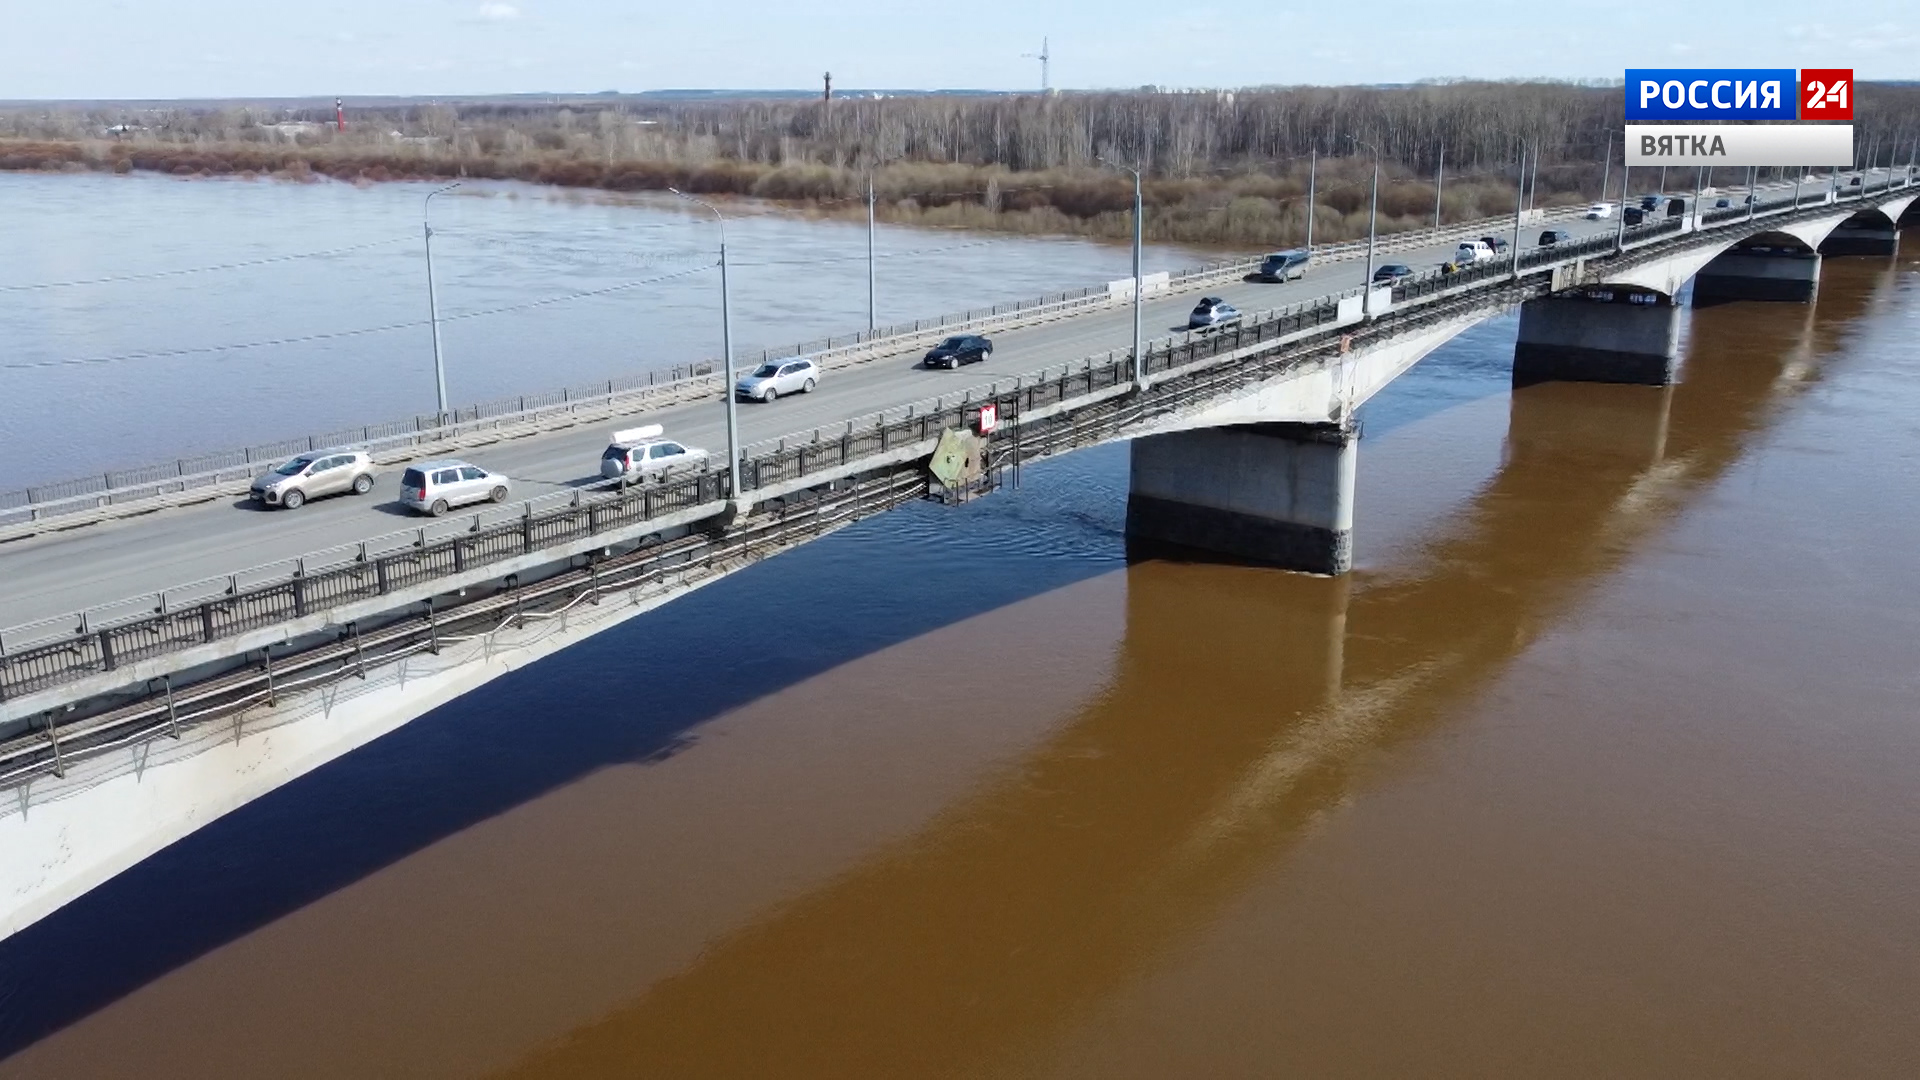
(959,349)
(1555,236)
(1722,204)
(1498,245)
(1650,202)
(1392,272)
(1633,215)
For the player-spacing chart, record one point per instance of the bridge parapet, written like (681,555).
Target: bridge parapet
(67,661)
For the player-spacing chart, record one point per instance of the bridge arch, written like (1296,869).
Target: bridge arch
(1868,230)
(1871,230)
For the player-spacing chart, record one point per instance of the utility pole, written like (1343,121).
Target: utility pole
(1439,185)
(1753,200)
(433,301)
(339,115)
(1533,187)
(726,349)
(872,321)
(1313,166)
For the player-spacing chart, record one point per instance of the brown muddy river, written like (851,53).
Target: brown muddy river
(1604,762)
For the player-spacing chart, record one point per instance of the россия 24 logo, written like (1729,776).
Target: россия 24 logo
(1826,93)
(1676,94)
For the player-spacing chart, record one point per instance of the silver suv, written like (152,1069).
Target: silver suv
(435,487)
(638,453)
(309,476)
(796,375)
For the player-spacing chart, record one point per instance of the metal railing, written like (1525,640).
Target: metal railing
(104,638)
(50,747)
(101,640)
(208,474)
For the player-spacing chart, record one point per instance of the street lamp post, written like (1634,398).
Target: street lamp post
(1373,208)
(726,348)
(1313,167)
(1620,233)
(1139,359)
(433,301)
(1606,171)
(1519,206)
(872,311)
(1753,200)
(1439,185)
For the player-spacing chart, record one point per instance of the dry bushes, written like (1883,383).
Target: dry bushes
(1223,168)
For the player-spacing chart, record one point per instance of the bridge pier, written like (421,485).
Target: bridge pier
(1615,335)
(1279,494)
(1740,274)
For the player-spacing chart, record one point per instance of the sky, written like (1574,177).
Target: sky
(250,48)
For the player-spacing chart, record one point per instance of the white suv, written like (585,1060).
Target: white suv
(638,453)
(1472,251)
(797,375)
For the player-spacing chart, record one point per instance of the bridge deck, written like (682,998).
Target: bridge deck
(55,573)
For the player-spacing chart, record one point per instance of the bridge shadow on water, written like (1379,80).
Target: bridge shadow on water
(635,692)
(1187,792)
(1244,706)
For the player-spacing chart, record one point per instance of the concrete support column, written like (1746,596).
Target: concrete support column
(1751,275)
(1279,494)
(1604,335)
(1854,238)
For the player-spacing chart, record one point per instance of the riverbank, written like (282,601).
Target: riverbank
(1243,210)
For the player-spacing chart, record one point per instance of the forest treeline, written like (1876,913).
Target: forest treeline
(1226,167)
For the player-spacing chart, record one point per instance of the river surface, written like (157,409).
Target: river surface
(121,298)
(1604,762)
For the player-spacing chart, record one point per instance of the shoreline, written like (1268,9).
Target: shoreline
(1237,215)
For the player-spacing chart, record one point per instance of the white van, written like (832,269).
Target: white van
(1472,251)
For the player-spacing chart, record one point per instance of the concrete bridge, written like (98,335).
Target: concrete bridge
(1244,445)
(1214,799)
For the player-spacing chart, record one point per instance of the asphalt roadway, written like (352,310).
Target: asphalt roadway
(61,572)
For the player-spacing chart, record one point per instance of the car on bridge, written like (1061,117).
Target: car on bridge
(1472,251)
(435,487)
(309,476)
(636,454)
(1599,210)
(1498,245)
(1392,274)
(957,350)
(1554,236)
(1212,313)
(1285,265)
(794,375)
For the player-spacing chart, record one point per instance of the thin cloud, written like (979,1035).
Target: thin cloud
(494,12)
